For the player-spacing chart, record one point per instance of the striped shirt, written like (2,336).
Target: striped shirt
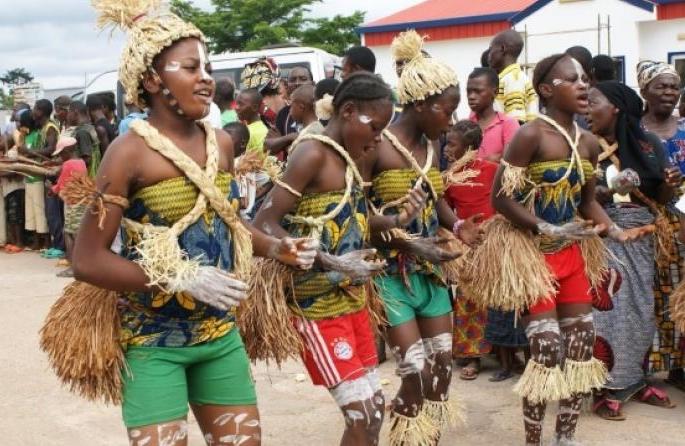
(516,96)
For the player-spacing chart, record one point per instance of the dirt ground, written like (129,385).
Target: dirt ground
(36,411)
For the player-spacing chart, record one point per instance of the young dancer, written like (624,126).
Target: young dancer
(545,184)
(185,251)
(417,304)
(321,195)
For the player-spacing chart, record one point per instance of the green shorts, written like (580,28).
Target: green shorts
(163,380)
(427,298)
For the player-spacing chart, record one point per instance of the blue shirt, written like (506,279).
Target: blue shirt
(123,125)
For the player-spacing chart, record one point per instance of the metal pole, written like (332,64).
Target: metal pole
(599,34)
(525,31)
(609,34)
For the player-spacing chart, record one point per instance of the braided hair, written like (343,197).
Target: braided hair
(360,87)
(471,133)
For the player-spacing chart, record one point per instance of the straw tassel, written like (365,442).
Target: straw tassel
(585,376)
(540,384)
(595,254)
(677,306)
(452,270)
(414,431)
(265,319)
(505,276)
(445,414)
(375,306)
(80,335)
(164,262)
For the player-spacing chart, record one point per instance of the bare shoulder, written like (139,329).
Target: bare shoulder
(589,145)
(128,147)
(225,144)
(525,143)
(310,152)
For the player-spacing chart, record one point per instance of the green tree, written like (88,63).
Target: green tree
(6,100)
(16,76)
(334,35)
(244,25)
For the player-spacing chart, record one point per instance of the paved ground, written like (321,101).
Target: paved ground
(35,411)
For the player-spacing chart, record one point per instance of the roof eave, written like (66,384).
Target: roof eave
(502,16)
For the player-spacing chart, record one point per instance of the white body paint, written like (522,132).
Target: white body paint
(203,61)
(172,66)
(579,71)
(356,390)
(414,359)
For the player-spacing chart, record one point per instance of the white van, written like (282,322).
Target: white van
(230,65)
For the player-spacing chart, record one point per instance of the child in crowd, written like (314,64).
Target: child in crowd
(35,221)
(302,110)
(88,144)
(67,150)
(469,343)
(248,105)
(515,96)
(498,129)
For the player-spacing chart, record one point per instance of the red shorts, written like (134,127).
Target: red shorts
(338,349)
(573,286)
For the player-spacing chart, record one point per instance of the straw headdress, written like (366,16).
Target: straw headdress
(422,76)
(151,29)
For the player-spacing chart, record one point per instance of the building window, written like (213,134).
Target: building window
(620,67)
(677,59)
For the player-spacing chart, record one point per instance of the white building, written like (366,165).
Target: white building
(460,30)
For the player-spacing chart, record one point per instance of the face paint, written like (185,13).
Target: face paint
(203,61)
(364,119)
(579,71)
(557,82)
(172,66)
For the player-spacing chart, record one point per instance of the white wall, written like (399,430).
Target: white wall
(657,39)
(579,15)
(462,55)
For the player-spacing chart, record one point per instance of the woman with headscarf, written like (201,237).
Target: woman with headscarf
(632,164)
(659,86)
(264,75)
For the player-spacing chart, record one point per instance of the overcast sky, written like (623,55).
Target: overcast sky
(56,40)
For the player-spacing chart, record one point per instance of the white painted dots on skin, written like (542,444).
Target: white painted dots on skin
(135,433)
(145,441)
(364,119)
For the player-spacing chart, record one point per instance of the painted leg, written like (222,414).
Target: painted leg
(229,425)
(542,381)
(437,375)
(363,419)
(409,425)
(173,433)
(583,372)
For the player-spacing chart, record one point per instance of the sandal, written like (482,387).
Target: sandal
(608,409)
(501,375)
(654,397)
(11,249)
(471,371)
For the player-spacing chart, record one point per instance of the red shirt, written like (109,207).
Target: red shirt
(69,168)
(472,200)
